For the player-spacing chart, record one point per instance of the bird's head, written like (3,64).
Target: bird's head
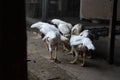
(52,22)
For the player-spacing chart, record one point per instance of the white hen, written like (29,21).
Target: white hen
(64,28)
(77,29)
(52,38)
(44,27)
(59,21)
(37,25)
(81,43)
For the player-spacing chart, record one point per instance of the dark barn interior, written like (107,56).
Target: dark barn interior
(78,11)
(24,58)
(54,8)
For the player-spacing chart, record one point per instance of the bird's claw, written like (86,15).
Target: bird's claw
(57,61)
(82,65)
(73,62)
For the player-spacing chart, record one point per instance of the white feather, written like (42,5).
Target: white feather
(64,29)
(82,41)
(51,38)
(63,38)
(75,38)
(37,25)
(44,27)
(76,29)
(58,21)
(84,33)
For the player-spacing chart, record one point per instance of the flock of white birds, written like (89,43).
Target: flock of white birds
(58,32)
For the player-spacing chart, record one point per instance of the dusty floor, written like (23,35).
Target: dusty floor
(41,68)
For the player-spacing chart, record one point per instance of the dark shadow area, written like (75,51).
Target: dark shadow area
(13,65)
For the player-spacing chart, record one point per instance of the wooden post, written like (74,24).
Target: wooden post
(13,54)
(44,9)
(111,40)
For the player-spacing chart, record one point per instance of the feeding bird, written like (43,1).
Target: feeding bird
(64,27)
(52,38)
(82,44)
(80,40)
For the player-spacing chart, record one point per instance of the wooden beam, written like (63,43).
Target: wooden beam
(13,51)
(44,9)
(111,38)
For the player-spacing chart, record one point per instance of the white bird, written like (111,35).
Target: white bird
(83,38)
(82,43)
(53,40)
(82,34)
(59,21)
(52,37)
(37,25)
(44,27)
(48,27)
(78,34)
(89,34)
(85,33)
(77,29)
(64,28)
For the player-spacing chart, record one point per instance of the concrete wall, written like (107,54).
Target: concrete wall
(97,9)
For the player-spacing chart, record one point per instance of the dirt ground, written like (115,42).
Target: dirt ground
(41,68)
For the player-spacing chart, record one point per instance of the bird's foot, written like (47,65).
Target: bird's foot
(73,62)
(82,65)
(57,61)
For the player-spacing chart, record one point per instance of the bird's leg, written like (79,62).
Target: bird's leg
(84,56)
(46,45)
(64,47)
(51,58)
(50,49)
(74,61)
(71,51)
(55,53)
(76,57)
(90,55)
(55,59)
